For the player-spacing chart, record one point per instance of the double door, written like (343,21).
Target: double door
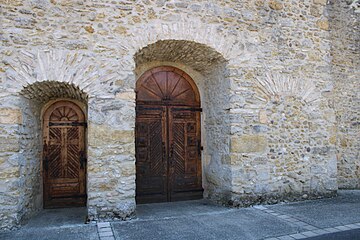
(168,153)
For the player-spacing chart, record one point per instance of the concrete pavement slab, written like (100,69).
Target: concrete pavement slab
(58,217)
(345,235)
(341,210)
(87,232)
(178,209)
(55,224)
(196,221)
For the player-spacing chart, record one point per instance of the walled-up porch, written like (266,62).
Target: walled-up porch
(262,139)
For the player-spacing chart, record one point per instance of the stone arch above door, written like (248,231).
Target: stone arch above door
(31,69)
(194,30)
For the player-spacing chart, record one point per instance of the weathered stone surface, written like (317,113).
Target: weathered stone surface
(104,135)
(275,5)
(263,117)
(126,95)
(10,116)
(321,2)
(248,144)
(323,24)
(9,144)
(346,68)
(89,29)
(277,80)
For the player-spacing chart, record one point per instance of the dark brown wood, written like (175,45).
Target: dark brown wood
(168,142)
(64,157)
(167,86)
(185,154)
(151,166)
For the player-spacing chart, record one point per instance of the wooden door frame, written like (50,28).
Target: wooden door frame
(83,108)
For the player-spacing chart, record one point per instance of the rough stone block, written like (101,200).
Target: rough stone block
(8,173)
(103,135)
(320,2)
(275,5)
(248,144)
(10,116)
(263,117)
(9,144)
(323,24)
(126,96)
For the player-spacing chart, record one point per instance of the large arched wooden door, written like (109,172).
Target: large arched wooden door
(64,157)
(168,138)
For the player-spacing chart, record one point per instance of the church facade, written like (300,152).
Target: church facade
(110,104)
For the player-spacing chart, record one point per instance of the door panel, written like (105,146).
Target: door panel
(184,139)
(151,165)
(168,157)
(64,156)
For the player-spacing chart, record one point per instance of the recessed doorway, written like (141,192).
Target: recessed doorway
(168,137)
(64,156)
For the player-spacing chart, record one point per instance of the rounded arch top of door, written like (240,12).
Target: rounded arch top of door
(163,85)
(64,111)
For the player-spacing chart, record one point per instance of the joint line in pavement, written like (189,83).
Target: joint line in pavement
(311,231)
(105,231)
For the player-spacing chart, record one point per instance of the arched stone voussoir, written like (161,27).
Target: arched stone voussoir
(193,30)
(199,57)
(77,69)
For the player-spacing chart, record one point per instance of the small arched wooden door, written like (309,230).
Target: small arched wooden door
(64,158)
(168,142)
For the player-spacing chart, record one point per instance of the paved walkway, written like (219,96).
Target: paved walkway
(336,218)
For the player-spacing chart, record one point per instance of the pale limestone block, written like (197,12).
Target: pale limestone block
(248,144)
(10,116)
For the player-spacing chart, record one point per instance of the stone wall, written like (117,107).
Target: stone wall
(10,171)
(345,38)
(30,181)
(282,120)
(264,69)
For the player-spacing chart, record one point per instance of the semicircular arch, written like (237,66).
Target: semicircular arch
(165,85)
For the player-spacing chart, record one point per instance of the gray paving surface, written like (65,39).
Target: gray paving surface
(336,218)
(60,233)
(210,222)
(341,210)
(55,224)
(58,217)
(346,235)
